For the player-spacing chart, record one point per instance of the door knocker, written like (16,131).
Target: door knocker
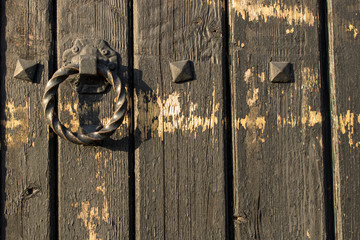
(93,58)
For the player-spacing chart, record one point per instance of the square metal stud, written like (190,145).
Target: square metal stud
(25,70)
(280,72)
(182,71)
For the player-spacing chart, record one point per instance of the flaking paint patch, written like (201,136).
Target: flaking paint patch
(248,73)
(250,122)
(90,215)
(72,109)
(16,123)
(105,211)
(310,118)
(314,117)
(252,96)
(167,115)
(352,28)
(262,76)
(90,218)
(102,187)
(288,31)
(346,124)
(253,122)
(256,10)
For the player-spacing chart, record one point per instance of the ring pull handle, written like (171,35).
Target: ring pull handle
(83,62)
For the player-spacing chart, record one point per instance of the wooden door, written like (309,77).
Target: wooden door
(230,154)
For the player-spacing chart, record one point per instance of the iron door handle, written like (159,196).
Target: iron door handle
(83,62)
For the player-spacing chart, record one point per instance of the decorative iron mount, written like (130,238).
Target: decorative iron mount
(90,59)
(88,54)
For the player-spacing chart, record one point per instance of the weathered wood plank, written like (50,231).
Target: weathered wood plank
(25,33)
(180,189)
(277,127)
(344,44)
(93,181)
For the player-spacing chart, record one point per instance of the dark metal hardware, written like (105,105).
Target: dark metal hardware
(280,72)
(25,70)
(84,59)
(88,53)
(182,71)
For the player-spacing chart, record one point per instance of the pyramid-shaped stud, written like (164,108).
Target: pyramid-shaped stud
(25,70)
(182,71)
(280,72)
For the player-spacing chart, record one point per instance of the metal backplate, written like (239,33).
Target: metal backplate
(88,53)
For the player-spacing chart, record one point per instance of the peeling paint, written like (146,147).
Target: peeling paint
(346,124)
(291,30)
(154,114)
(253,121)
(310,118)
(93,213)
(102,187)
(90,216)
(72,109)
(250,122)
(262,76)
(314,117)
(252,96)
(16,123)
(352,28)
(248,74)
(256,10)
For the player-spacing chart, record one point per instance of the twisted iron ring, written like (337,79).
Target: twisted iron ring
(48,102)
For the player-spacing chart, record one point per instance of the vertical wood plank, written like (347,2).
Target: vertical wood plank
(180,189)
(343,25)
(25,33)
(277,127)
(93,180)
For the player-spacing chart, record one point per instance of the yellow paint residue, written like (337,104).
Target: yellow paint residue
(248,73)
(16,123)
(352,28)
(94,213)
(101,188)
(252,96)
(250,122)
(253,122)
(262,76)
(346,123)
(72,109)
(167,115)
(309,118)
(290,121)
(105,212)
(255,10)
(90,218)
(314,117)
(291,30)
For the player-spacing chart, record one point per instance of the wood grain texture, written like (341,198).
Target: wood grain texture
(277,128)
(344,44)
(93,180)
(180,189)
(25,33)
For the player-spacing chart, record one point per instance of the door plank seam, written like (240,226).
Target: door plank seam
(326,126)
